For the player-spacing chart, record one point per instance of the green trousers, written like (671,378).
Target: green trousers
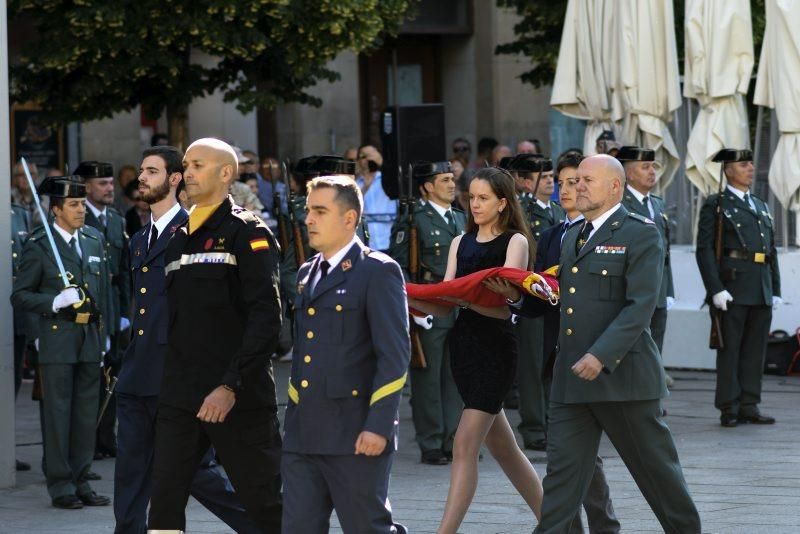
(530,364)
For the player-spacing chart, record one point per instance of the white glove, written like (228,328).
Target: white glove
(108,344)
(423,322)
(36,343)
(67,297)
(776,301)
(722,299)
(670,303)
(124,323)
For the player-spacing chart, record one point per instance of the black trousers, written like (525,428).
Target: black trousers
(248,444)
(19,356)
(106,437)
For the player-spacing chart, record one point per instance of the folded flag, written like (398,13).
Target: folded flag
(470,288)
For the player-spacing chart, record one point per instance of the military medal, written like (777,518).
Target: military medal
(347,265)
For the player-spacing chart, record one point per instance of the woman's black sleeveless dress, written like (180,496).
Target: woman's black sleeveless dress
(483,350)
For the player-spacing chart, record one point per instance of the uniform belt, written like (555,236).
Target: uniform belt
(755,257)
(73,316)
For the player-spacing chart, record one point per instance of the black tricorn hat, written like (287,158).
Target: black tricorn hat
(505,162)
(62,187)
(731,155)
(304,166)
(525,163)
(607,135)
(636,153)
(426,169)
(331,165)
(94,169)
(545,164)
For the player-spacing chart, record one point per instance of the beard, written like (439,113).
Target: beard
(151,195)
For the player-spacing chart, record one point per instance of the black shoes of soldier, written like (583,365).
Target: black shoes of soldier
(67,502)
(23,466)
(91,475)
(729,420)
(434,457)
(756,418)
(537,445)
(93,499)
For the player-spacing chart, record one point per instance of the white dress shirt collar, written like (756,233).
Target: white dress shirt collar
(440,210)
(543,205)
(164,220)
(67,237)
(97,212)
(599,221)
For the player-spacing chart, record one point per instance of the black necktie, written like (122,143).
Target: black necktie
(747,201)
(73,244)
(153,239)
(583,237)
(448,215)
(102,219)
(648,205)
(323,270)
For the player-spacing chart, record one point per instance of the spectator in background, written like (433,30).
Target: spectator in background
(242,195)
(138,215)
(529,146)
(485,147)
(462,184)
(271,170)
(21,193)
(351,154)
(499,152)
(607,144)
(251,180)
(379,210)
(126,175)
(54,171)
(159,139)
(462,151)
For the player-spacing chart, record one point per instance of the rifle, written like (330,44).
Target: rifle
(283,232)
(715,339)
(299,246)
(418,360)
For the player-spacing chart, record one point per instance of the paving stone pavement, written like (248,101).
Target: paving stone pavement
(744,480)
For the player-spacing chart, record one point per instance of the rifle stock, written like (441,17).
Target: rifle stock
(297,234)
(418,360)
(283,232)
(715,338)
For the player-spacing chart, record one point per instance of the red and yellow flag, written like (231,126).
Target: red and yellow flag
(259,244)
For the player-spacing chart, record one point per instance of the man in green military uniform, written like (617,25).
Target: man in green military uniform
(640,172)
(607,376)
(100,214)
(70,348)
(545,212)
(743,286)
(435,403)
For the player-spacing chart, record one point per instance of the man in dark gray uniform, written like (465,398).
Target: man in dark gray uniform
(350,362)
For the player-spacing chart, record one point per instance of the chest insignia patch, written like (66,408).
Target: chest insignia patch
(610,249)
(347,265)
(300,287)
(399,237)
(94,259)
(208,244)
(220,244)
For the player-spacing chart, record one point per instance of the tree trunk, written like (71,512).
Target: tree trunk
(178,125)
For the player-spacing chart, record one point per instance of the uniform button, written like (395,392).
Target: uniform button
(14,254)
(762,234)
(574,270)
(304,383)
(604,272)
(86,285)
(354,393)
(310,334)
(572,290)
(307,359)
(312,311)
(141,332)
(143,290)
(141,311)
(145,269)
(338,307)
(55,327)
(569,311)
(569,331)
(618,361)
(738,225)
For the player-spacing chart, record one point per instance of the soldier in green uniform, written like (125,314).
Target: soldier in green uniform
(70,348)
(19,234)
(435,403)
(640,172)
(744,285)
(545,212)
(100,214)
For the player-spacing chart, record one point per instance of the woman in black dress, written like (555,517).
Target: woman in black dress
(483,348)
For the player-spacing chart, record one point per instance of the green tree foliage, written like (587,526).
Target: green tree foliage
(93,58)
(538,34)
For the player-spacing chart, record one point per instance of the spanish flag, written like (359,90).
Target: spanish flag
(470,288)
(259,244)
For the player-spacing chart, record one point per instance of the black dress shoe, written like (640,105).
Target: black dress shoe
(729,420)
(91,475)
(23,466)
(67,502)
(536,445)
(434,457)
(756,419)
(93,499)
(448,455)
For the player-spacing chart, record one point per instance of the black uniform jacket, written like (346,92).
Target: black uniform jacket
(224,310)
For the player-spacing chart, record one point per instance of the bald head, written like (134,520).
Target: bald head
(601,181)
(210,165)
(216,150)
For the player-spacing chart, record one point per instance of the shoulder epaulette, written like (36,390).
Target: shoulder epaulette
(247,216)
(640,218)
(92,232)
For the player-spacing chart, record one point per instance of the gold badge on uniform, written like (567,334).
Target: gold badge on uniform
(300,287)
(347,265)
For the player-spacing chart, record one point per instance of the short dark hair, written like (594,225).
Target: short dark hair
(173,158)
(348,194)
(568,160)
(486,144)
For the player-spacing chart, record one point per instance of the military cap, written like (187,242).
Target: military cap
(331,165)
(525,163)
(731,155)
(545,164)
(636,153)
(607,135)
(304,166)
(426,169)
(94,169)
(62,187)
(504,162)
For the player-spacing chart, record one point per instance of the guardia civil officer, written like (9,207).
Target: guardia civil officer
(223,323)
(101,214)
(20,227)
(545,212)
(140,375)
(435,402)
(70,338)
(351,356)
(744,285)
(608,375)
(640,173)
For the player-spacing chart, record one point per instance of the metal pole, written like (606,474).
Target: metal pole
(7,438)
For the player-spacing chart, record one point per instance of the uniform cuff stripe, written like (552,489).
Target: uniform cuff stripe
(388,389)
(293,395)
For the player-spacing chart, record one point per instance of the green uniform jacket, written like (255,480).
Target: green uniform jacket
(745,231)
(19,234)
(434,237)
(608,295)
(662,223)
(541,220)
(119,265)
(38,282)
